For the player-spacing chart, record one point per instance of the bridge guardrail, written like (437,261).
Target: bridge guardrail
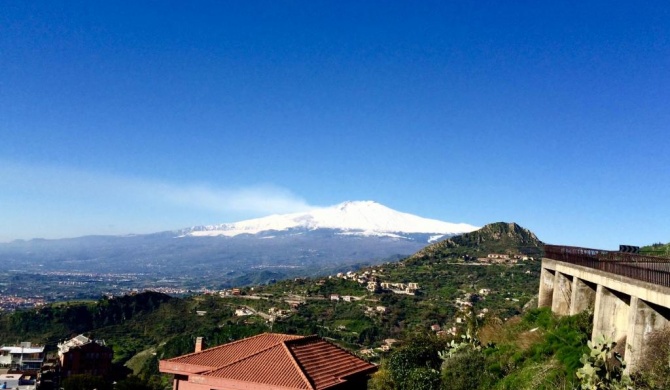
(650,269)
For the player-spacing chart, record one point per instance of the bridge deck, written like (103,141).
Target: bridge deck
(645,268)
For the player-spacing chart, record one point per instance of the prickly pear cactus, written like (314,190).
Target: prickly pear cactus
(603,367)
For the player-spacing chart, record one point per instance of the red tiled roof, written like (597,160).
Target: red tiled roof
(324,363)
(228,353)
(294,362)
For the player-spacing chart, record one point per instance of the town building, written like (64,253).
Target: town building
(243,311)
(82,355)
(10,381)
(24,356)
(269,361)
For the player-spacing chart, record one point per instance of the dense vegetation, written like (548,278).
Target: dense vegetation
(55,322)
(510,346)
(499,237)
(535,351)
(657,249)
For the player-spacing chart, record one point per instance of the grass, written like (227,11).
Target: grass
(536,351)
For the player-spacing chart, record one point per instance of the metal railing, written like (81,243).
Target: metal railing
(650,269)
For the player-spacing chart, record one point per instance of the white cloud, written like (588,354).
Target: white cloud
(64,182)
(257,199)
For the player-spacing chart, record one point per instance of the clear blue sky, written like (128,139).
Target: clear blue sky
(130,117)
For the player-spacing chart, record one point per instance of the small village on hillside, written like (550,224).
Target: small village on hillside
(29,366)
(451,300)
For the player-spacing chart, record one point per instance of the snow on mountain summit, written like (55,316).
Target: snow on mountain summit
(354,217)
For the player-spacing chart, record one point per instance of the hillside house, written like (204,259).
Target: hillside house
(81,355)
(400,288)
(273,311)
(390,342)
(24,356)
(243,311)
(269,361)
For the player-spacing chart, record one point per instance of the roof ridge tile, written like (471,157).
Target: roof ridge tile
(302,362)
(227,345)
(220,346)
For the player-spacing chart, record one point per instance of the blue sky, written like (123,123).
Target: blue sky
(131,117)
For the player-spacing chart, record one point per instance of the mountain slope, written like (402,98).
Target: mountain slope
(322,240)
(366,218)
(499,237)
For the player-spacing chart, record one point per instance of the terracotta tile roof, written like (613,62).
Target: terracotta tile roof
(324,363)
(228,353)
(272,359)
(273,366)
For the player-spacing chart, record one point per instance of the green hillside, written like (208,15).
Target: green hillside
(657,249)
(500,238)
(454,290)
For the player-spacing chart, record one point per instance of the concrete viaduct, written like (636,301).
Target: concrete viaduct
(628,294)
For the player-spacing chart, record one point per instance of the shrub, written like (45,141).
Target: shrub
(423,379)
(464,370)
(653,369)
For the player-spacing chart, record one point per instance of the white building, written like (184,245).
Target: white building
(241,312)
(24,356)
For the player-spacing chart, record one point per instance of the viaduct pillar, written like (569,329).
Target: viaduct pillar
(625,310)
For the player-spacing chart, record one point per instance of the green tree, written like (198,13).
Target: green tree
(423,378)
(134,383)
(85,382)
(381,380)
(421,352)
(465,370)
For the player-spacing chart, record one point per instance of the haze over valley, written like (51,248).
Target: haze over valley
(318,242)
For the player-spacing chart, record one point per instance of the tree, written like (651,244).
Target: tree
(465,370)
(133,383)
(421,353)
(85,382)
(381,380)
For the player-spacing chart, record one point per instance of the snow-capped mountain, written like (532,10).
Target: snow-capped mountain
(364,218)
(317,242)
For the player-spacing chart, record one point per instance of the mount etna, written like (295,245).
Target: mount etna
(320,240)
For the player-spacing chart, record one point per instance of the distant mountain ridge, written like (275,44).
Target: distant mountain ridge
(498,237)
(316,242)
(363,218)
